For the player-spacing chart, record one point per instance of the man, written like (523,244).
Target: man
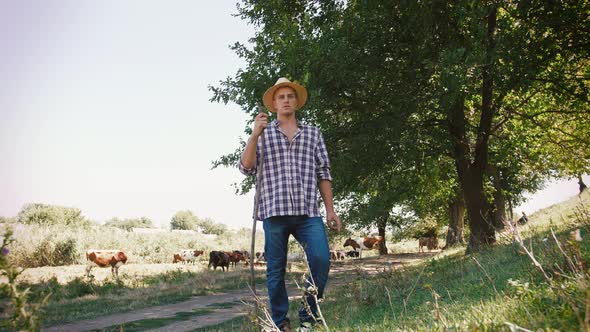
(296,165)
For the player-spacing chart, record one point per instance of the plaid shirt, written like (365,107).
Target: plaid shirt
(291,172)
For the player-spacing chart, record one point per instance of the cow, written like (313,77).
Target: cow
(218,258)
(422,242)
(244,253)
(432,243)
(333,255)
(364,243)
(235,257)
(261,256)
(352,253)
(187,256)
(337,254)
(105,258)
(190,256)
(177,258)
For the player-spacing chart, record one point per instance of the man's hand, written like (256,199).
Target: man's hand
(260,122)
(333,221)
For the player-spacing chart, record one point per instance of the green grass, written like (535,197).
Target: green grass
(224,305)
(84,298)
(146,324)
(235,324)
(487,291)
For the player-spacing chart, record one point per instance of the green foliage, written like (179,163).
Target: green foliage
(154,323)
(208,226)
(8,220)
(128,224)
(184,220)
(22,313)
(415,98)
(45,214)
(55,252)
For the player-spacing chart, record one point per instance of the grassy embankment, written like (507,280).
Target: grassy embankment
(494,290)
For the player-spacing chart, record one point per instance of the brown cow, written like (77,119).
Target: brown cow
(177,258)
(218,258)
(367,242)
(432,243)
(187,255)
(105,258)
(235,257)
(337,254)
(422,242)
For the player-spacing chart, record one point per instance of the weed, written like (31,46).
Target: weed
(18,312)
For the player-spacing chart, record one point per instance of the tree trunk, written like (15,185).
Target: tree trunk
(456,222)
(471,164)
(581,183)
(499,210)
(381,228)
(483,232)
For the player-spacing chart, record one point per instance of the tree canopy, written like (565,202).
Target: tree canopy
(418,98)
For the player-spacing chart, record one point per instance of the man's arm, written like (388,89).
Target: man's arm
(332,218)
(248,159)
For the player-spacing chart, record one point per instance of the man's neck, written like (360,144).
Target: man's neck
(287,121)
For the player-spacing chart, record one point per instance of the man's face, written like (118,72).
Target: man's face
(285,100)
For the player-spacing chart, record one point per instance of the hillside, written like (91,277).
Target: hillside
(498,289)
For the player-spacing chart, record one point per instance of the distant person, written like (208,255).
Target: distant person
(523,220)
(296,165)
(581,184)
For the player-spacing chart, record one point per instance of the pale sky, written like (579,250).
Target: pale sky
(104,106)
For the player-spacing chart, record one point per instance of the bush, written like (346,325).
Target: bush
(129,224)
(52,252)
(45,214)
(23,314)
(184,220)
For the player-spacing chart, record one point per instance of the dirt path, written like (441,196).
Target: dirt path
(340,273)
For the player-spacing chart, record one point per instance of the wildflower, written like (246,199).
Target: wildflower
(5,251)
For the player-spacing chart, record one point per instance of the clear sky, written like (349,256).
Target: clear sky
(104,106)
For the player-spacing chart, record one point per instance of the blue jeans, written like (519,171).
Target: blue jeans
(311,234)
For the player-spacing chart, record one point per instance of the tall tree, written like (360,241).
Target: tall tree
(397,85)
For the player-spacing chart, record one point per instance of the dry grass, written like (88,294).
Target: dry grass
(34,242)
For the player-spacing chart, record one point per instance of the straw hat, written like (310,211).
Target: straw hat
(281,82)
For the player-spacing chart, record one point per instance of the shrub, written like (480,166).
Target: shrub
(129,224)
(45,214)
(184,220)
(23,314)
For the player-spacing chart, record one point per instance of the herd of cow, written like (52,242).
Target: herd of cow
(223,259)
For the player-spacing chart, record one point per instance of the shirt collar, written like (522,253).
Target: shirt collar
(275,124)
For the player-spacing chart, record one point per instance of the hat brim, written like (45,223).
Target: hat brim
(299,90)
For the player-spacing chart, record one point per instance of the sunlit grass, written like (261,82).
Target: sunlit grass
(496,290)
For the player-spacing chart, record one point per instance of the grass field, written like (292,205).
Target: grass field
(496,289)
